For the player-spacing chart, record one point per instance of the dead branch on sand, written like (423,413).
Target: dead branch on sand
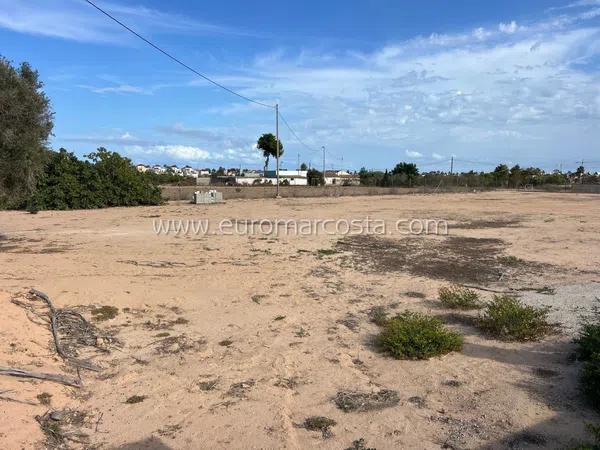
(14,372)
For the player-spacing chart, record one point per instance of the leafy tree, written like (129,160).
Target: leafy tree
(409,170)
(315,178)
(501,174)
(268,144)
(303,166)
(516,176)
(26,122)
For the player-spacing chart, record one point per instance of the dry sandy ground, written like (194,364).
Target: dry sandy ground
(233,341)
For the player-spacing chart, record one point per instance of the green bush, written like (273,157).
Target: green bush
(588,350)
(588,342)
(416,336)
(507,318)
(590,380)
(106,179)
(458,297)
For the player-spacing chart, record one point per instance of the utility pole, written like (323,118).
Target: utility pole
(298,164)
(323,147)
(451,165)
(277,143)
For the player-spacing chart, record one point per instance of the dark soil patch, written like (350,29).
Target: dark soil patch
(173,345)
(350,322)
(135,399)
(240,390)
(103,313)
(416,401)
(414,294)
(360,444)
(349,401)
(208,385)
(527,438)
(457,259)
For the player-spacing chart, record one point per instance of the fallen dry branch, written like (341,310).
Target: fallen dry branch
(21,373)
(75,321)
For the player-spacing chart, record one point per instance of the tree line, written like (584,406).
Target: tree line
(407,175)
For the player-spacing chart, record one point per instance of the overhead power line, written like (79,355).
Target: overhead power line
(178,61)
(295,135)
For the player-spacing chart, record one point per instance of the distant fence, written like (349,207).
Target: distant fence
(232,192)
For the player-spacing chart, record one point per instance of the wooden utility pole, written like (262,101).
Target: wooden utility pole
(277,144)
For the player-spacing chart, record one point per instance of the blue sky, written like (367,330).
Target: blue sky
(375,81)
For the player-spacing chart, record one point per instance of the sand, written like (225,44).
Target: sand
(233,341)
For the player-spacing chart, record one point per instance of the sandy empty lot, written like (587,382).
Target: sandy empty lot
(233,341)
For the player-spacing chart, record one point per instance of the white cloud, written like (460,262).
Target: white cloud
(413,154)
(508,28)
(437,156)
(76,20)
(118,89)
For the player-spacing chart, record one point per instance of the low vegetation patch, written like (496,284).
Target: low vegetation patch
(378,315)
(319,423)
(508,319)
(135,399)
(349,401)
(588,350)
(44,398)
(103,313)
(416,336)
(458,297)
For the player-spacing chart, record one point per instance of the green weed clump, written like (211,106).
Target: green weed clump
(413,335)
(458,297)
(508,319)
(588,350)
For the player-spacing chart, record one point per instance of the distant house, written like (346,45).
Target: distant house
(293,177)
(142,168)
(188,171)
(175,170)
(203,172)
(341,178)
(158,169)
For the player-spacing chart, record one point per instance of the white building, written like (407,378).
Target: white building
(142,168)
(341,178)
(291,177)
(188,171)
(157,169)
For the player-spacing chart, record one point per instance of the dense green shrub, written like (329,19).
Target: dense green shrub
(507,318)
(105,179)
(588,350)
(416,336)
(458,297)
(588,342)
(590,380)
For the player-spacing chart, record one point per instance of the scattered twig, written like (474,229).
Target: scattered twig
(11,371)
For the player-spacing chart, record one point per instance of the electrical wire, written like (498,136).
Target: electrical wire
(178,61)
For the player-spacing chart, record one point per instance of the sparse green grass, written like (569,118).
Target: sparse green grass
(458,297)
(378,315)
(508,319)
(416,336)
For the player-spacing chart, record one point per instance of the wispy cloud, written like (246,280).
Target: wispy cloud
(75,20)
(413,154)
